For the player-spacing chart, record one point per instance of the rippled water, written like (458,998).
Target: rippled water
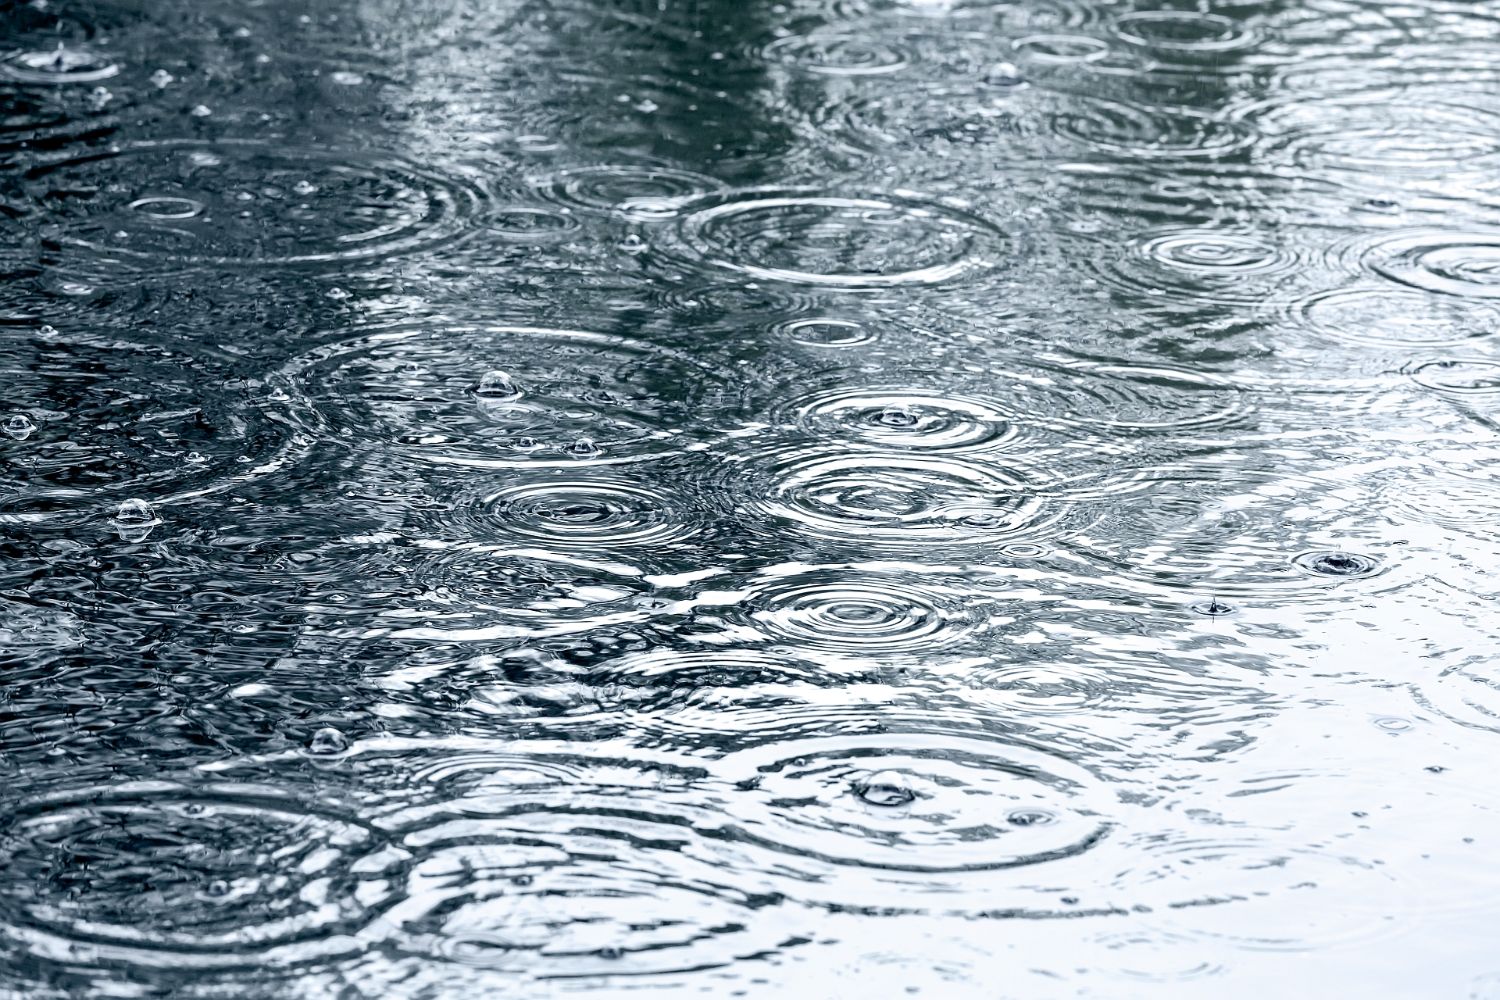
(833,498)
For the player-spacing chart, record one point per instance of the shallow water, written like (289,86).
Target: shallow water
(829,499)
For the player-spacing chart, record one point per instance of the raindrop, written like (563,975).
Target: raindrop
(20,426)
(897,416)
(1030,817)
(583,448)
(327,741)
(1336,563)
(1004,74)
(1213,607)
(884,788)
(135,513)
(497,385)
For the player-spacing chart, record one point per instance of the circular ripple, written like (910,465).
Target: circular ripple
(260,204)
(1182,31)
(158,873)
(557,866)
(827,332)
(1146,132)
(585,514)
(836,54)
(638,193)
(901,501)
(1434,260)
(521,224)
(856,613)
(1122,398)
(840,242)
(914,803)
(1381,316)
(61,65)
(1374,134)
(473,592)
(1460,377)
(905,419)
(116,420)
(1202,265)
(1061,48)
(1232,532)
(583,397)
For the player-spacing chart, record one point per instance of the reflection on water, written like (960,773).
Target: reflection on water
(840,498)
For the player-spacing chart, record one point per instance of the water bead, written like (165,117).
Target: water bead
(327,741)
(497,386)
(884,788)
(135,513)
(20,427)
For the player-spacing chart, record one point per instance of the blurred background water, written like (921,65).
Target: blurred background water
(827,498)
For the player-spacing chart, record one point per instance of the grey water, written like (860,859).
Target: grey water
(749,498)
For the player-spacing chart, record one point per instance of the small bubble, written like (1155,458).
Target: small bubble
(1030,817)
(135,513)
(201,111)
(304,187)
(161,79)
(633,245)
(884,788)
(338,294)
(897,416)
(1336,564)
(20,426)
(583,448)
(1004,74)
(327,741)
(497,386)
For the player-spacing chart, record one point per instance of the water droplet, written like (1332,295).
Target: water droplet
(20,426)
(583,448)
(633,245)
(884,788)
(162,79)
(1213,607)
(1030,817)
(135,513)
(1004,74)
(201,111)
(497,386)
(897,416)
(327,741)
(1336,563)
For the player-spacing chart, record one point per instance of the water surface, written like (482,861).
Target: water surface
(683,497)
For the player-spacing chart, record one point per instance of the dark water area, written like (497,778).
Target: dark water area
(831,499)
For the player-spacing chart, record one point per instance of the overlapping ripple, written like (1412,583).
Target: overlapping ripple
(110,420)
(838,241)
(235,874)
(570,397)
(246,202)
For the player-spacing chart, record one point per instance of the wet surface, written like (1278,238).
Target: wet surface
(828,499)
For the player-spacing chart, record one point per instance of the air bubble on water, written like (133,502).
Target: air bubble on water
(201,111)
(327,741)
(135,513)
(897,416)
(632,244)
(338,294)
(20,426)
(135,520)
(497,386)
(1030,817)
(583,448)
(1004,74)
(162,79)
(304,187)
(884,788)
